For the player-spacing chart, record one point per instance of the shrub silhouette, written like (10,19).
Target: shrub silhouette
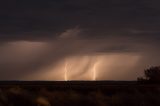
(151,75)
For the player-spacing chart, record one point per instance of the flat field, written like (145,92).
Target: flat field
(78,93)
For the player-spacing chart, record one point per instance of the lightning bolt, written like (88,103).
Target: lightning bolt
(94,72)
(66,72)
(94,69)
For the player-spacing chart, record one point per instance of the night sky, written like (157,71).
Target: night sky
(78,39)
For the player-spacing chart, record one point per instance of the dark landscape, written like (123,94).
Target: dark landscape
(78,93)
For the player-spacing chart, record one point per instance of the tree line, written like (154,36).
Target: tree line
(151,75)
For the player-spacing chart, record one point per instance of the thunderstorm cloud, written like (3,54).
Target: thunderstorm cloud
(78,40)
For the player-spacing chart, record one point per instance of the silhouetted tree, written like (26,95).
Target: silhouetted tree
(151,75)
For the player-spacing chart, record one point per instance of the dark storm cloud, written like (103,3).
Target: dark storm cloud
(73,28)
(38,19)
(21,58)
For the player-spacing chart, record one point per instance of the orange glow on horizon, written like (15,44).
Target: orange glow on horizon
(89,67)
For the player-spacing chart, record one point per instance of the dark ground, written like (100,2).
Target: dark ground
(78,93)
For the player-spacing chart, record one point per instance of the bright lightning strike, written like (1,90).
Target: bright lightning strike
(94,71)
(66,72)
